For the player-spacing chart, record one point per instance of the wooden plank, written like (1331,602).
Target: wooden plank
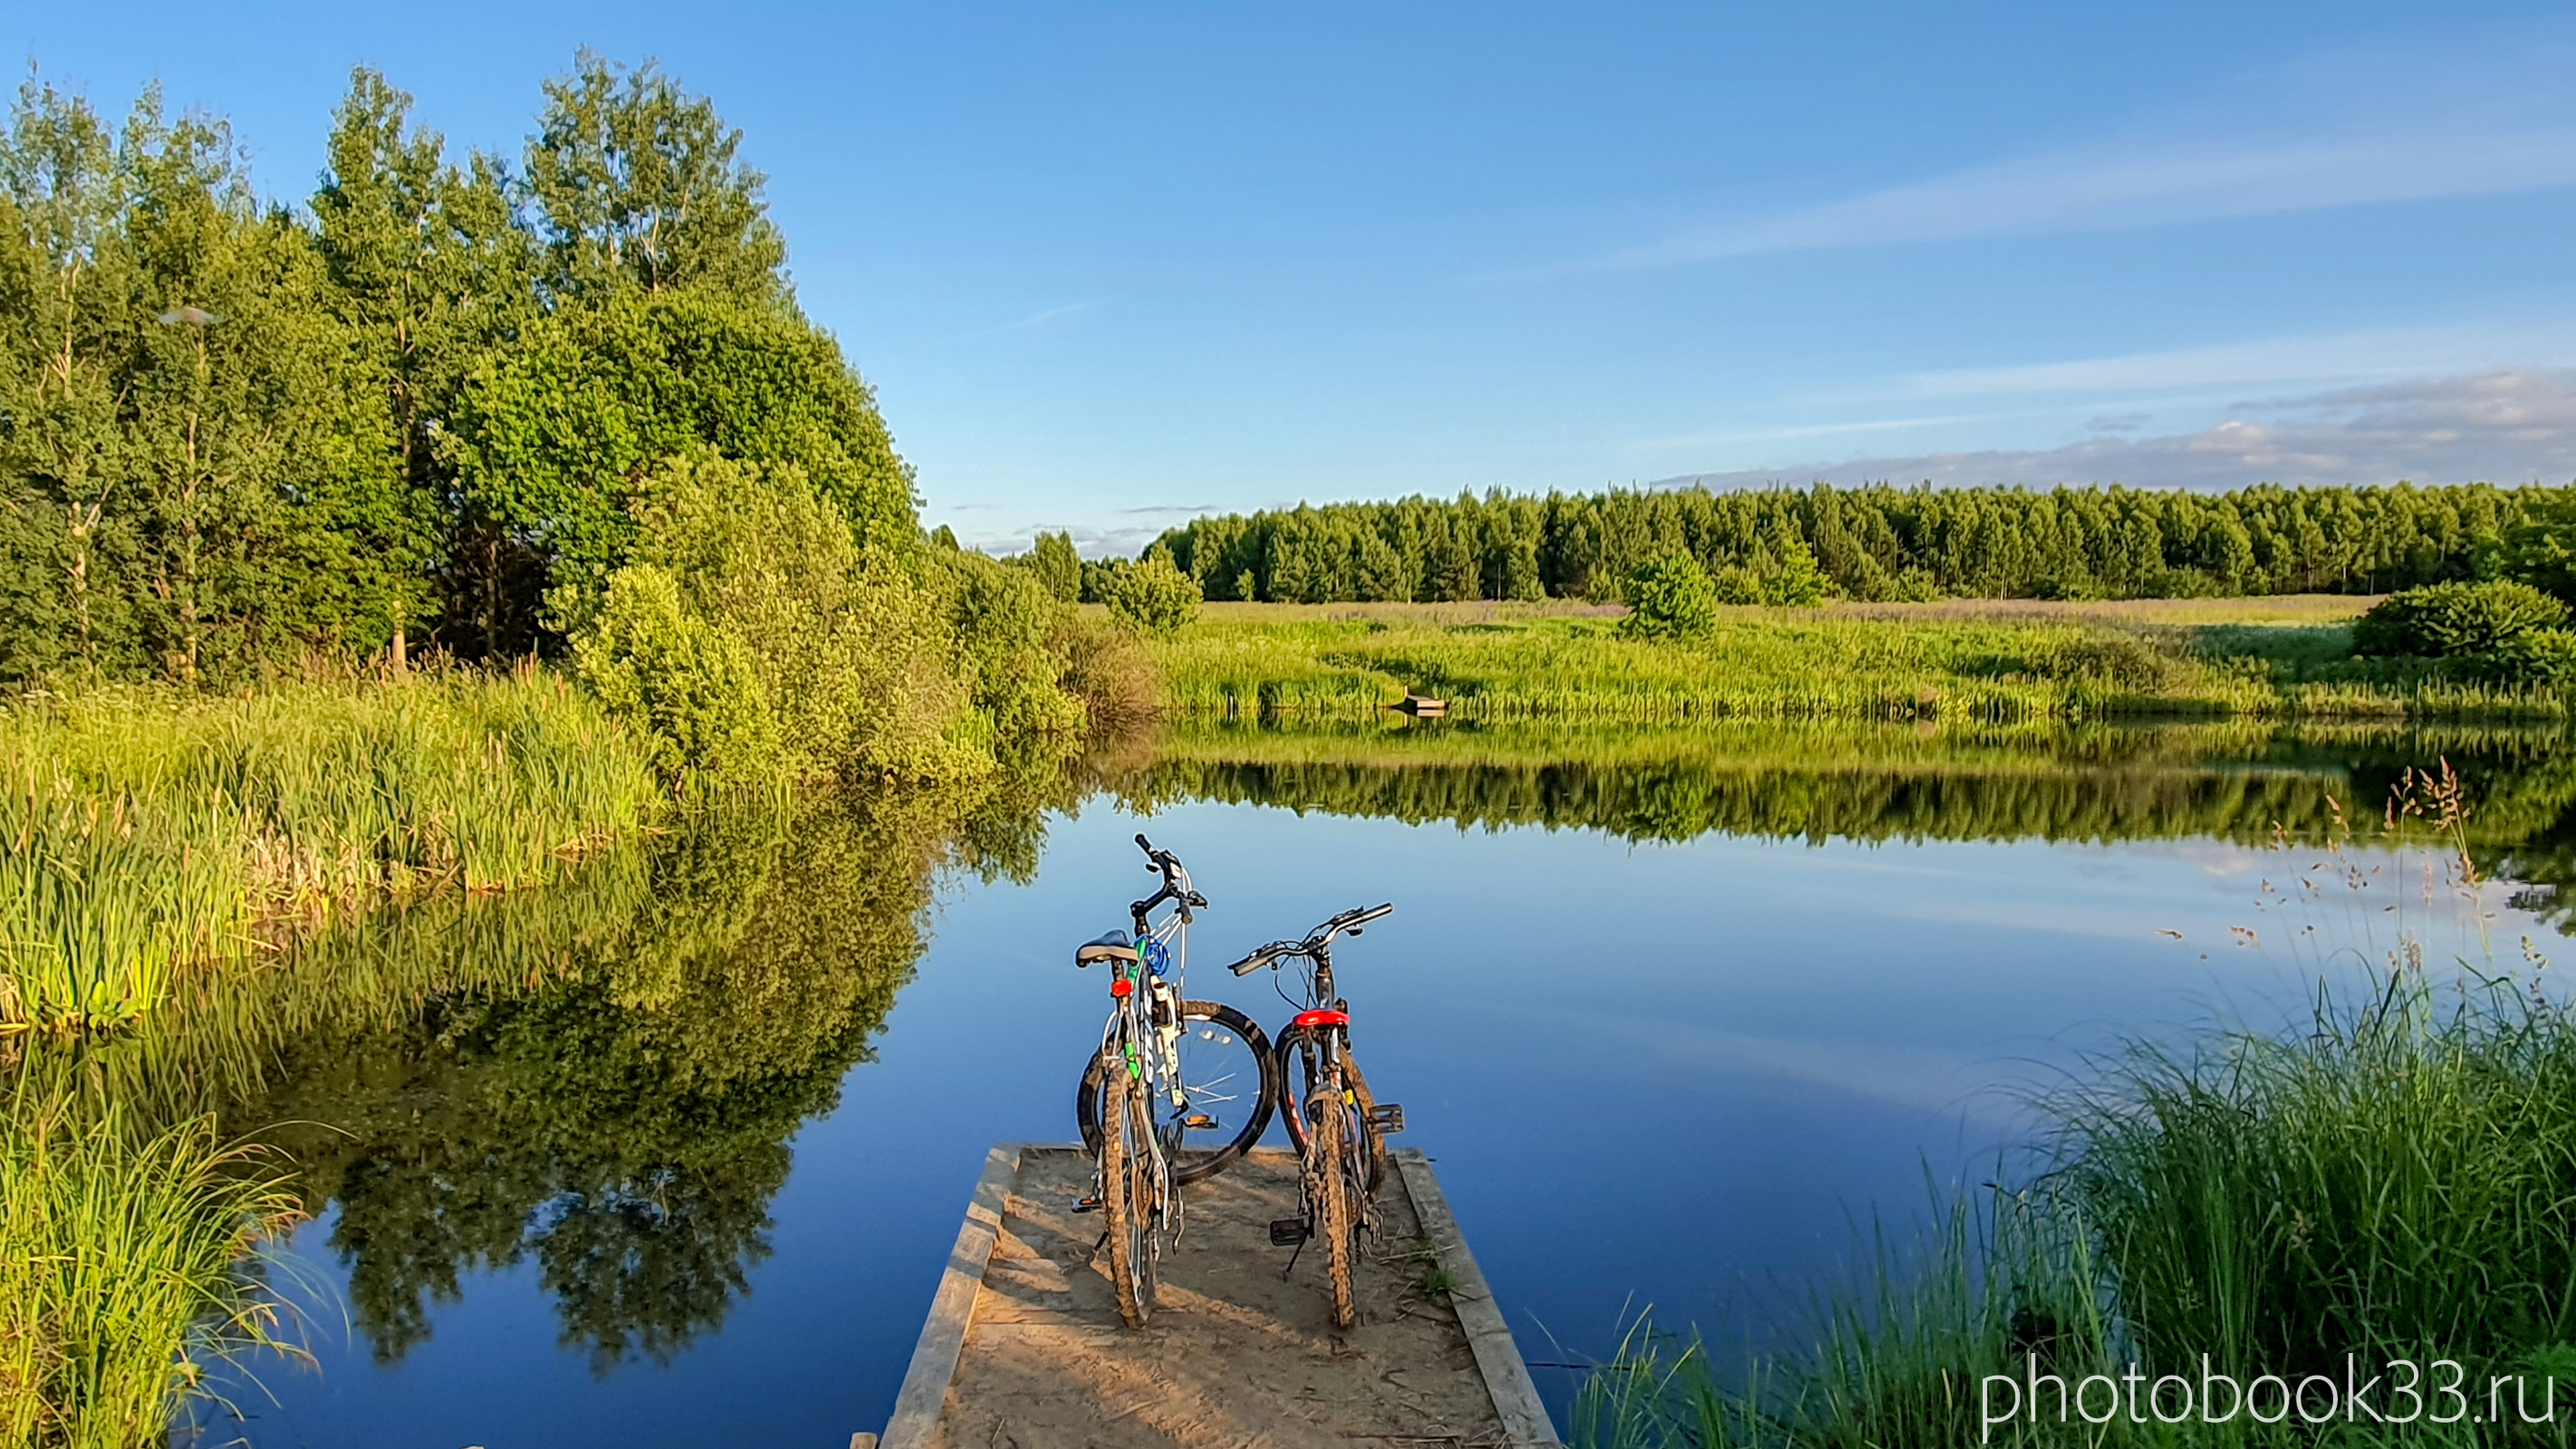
(917,1406)
(1498,1357)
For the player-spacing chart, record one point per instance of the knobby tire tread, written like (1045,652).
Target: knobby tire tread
(1118,1204)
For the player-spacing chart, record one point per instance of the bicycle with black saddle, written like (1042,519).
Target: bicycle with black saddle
(1338,1128)
(1177,1090)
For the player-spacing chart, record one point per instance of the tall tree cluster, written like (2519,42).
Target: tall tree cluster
(420,408)
(1875,543)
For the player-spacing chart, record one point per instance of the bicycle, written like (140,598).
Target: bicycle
(1150,1098)
(1338,1128)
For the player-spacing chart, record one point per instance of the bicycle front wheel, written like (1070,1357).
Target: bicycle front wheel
(1332,1190)
(1218,1105)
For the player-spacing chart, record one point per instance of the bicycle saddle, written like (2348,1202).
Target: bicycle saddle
(1111,946)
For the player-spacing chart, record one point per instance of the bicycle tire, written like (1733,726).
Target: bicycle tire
(1373,1142)
(1125,1163)
(1191,1162)
(1329,1177)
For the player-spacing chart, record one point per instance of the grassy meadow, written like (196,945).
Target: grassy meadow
(1987,661)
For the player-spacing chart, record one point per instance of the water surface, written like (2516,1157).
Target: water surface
(674,1156)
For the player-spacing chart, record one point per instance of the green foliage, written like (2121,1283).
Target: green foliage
(636,185)
(1670,596)
(2545,658)
(1153,596)
(1873,544)
(1058,567)
(121,1272)
(236,437)
(1795,579)
(157,832)
(560,432)
(197,473)
(687,683)
(2444,619)
(1003,621)
(758,643)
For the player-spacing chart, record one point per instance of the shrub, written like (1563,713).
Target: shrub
(1155,596)
(2541,657)
(1798,582)
(1670,596)
(2439,620)
(1109,671)
(1736,584)
(690,685)
(757,638)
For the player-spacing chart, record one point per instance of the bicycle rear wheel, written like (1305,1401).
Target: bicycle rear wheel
(1127,1193)
(1300,1053)
(1229,1080)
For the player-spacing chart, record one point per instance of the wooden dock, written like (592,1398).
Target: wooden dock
(1023,1346)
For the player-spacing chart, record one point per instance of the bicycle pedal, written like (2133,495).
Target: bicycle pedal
(1199,1122)
(1387,1118)
(1287,1232)
(1086,1205)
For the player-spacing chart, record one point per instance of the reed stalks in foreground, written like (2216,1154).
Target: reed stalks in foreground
(126,1268)
(143,832)
(2398,1182)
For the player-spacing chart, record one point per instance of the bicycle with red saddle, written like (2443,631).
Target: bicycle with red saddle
(1338,1128)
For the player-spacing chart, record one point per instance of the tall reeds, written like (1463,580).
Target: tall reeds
(126,1268)
(143,832)
(1784,664)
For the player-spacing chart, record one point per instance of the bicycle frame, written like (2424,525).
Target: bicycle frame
(1144,1028)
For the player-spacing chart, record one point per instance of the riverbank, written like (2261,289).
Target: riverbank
(1998,662)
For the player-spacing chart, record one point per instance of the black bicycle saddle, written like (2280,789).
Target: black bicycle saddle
(1110,946)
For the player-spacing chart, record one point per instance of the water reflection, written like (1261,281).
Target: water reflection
(599,1086)
(2093,784)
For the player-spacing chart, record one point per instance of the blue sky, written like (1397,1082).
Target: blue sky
(1110,266)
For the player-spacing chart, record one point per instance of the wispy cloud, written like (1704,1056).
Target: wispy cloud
(2386,353)
(1036,319)
(2504,426)
(2347,129)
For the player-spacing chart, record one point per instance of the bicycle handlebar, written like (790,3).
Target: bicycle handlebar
(1316,940)
(1173,872)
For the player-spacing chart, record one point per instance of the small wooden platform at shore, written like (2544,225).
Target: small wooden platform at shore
(1023,1346)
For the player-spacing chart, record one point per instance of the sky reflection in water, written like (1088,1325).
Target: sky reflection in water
(1669,1074)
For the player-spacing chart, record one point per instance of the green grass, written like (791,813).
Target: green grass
(124,1271)
(147,832)
(2395,1180)
(1959,661)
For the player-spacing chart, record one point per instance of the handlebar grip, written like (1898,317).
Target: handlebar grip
(1248,964)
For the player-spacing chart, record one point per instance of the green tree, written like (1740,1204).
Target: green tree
(1670,596)
(1154,596)
(1057,566)
(554,435)
(635,183)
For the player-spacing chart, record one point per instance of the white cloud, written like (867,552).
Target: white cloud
(2347,129)
(2504,426)
(2386,353)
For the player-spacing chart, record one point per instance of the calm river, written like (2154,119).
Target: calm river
(676,1158)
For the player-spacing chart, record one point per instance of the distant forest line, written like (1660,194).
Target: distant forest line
(1873,544)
